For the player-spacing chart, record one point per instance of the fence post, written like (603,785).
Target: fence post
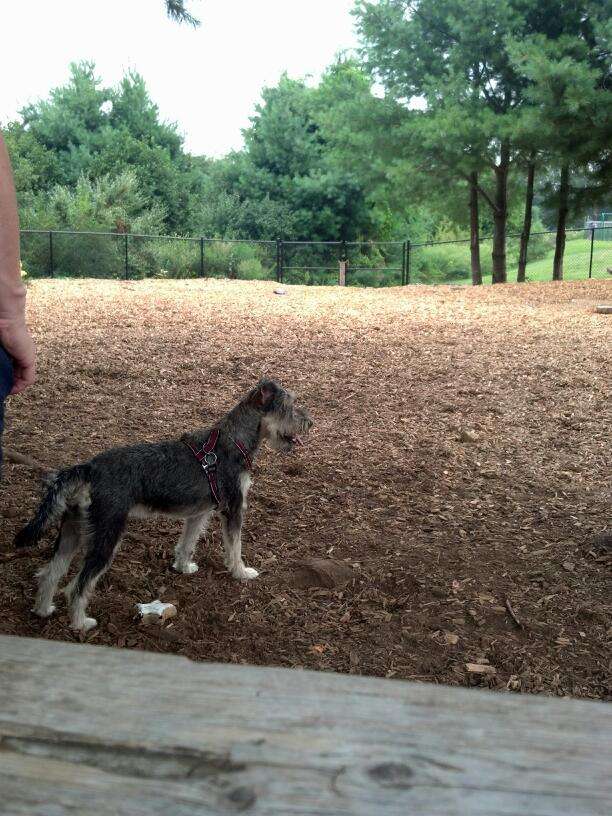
(51,264)
(279,261)
(126,257)
(408,249)
(201,257)
(404,263)
(591,257)
(342,265)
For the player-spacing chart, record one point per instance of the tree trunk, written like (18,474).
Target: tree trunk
(561,220)
(500,215)
(474,231)
(525,234)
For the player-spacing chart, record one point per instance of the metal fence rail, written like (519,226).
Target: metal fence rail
(66,253)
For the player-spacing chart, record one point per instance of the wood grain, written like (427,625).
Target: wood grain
(89,730)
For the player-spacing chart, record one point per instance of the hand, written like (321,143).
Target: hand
(18,343)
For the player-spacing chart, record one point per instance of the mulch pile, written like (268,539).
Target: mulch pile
(458,476)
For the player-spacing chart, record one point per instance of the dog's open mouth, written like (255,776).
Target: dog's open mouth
(292,440)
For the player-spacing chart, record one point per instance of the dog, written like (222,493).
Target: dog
(202,474)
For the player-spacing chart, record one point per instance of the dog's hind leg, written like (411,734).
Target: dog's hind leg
(101,548)
(183,553)
(231,527)
(67,543)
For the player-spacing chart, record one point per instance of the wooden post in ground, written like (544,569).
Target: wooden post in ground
(342,273)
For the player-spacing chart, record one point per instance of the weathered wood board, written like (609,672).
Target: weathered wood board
(89,730)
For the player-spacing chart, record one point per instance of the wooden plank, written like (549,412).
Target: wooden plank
(91,730)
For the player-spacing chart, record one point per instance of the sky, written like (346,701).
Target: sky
(207,80)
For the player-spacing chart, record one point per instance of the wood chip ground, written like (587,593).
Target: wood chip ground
(442,538)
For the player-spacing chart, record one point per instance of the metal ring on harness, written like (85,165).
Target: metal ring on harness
(210,459)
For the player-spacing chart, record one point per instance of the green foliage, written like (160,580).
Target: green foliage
(335,160)
(289,182)
(35,167)
(163,258)
(107,205)
(235,260)
(252,269)
(570,110)
(496,82)
(177,11)
(227,215)
(86,130)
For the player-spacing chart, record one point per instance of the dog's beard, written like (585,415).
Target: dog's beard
(282,436)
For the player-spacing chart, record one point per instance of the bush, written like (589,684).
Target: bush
(441,264)
(239,260)
(373,277)
(164,258)
(252,269)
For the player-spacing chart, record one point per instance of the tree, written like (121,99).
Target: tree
(290,163)
(461,56)
(450,143)
(35,167)
(95,131)
(445,51)
(177,11)
(570,107)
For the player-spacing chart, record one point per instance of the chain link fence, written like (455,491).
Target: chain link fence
(588,254)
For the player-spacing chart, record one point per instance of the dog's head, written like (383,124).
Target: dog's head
(283,421)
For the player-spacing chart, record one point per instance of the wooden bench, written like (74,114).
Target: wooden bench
(90,730)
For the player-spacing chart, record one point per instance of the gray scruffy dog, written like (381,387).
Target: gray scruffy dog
(201,474)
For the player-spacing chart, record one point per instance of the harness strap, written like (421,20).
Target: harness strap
(208,446)
(208,460)
(244,452)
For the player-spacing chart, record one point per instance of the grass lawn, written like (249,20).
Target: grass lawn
(575,262)
(575,265)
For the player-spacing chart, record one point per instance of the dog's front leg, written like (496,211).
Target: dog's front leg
(183,553)
(231,527)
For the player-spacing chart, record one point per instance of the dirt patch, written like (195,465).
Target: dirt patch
(449,542)
(318,572)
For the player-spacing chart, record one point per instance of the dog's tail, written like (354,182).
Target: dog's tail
(61,489)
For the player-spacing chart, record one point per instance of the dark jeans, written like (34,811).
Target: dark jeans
(6,383)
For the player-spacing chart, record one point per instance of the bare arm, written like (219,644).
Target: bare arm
(14,334)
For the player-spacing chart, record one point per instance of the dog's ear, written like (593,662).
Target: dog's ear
(263,394)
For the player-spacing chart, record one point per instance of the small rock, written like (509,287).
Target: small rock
(468,436)
(280,291)
(320,572)
(604,308)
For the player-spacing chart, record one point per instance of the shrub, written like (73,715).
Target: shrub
(237,260)
(440,264)
(165,258)
(252,269)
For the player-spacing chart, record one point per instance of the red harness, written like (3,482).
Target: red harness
(208,459)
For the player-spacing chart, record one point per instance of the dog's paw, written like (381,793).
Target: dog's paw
(86,625)
(243,573)
(44,612)
(187,569)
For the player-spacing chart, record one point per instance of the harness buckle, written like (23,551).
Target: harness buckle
(209,461)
